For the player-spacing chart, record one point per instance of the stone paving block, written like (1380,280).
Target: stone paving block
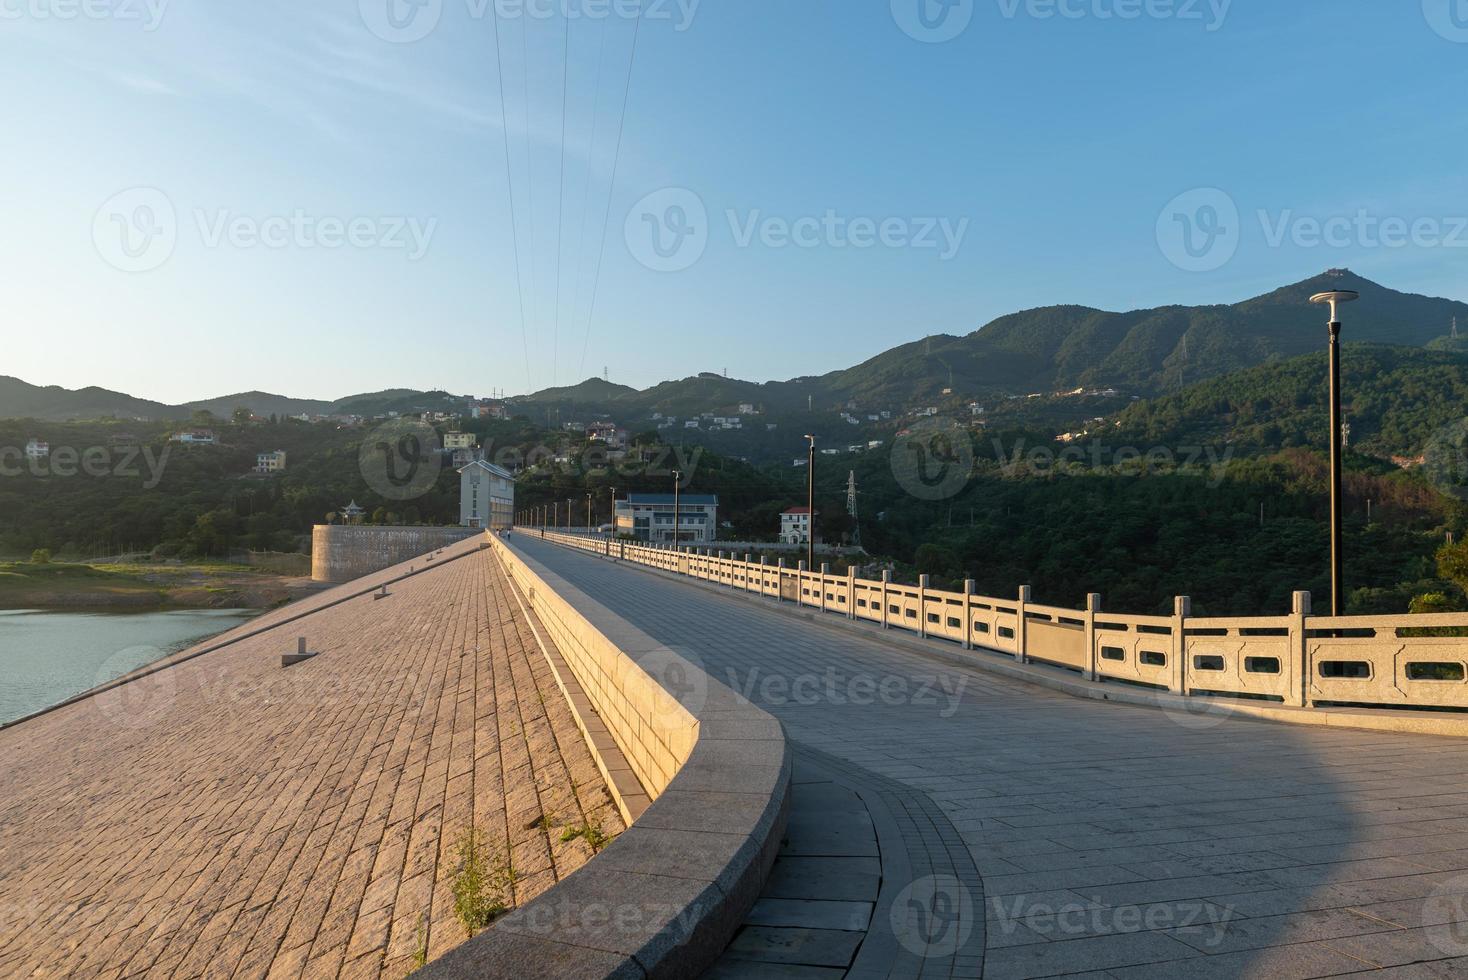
(808,947)
(811,914)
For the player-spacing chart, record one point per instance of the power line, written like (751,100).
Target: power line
(561,193)
(611,188)
(529,163)
(586,187)
(499,64)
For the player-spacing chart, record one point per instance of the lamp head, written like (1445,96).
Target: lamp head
(1334,298)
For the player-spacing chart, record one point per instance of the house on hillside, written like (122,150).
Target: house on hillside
(270,462)
(37,449)
(486,496)
(795,526)
(195,437)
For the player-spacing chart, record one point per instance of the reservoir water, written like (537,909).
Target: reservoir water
(49,656)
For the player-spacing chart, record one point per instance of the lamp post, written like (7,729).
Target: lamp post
(810,503)
(677,508)
(614,512)
(1337,549)
(568,515)
(555,515)
(588,512)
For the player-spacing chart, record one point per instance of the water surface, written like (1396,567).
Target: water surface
(49,656)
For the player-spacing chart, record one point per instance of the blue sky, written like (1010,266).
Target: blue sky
(1052,151)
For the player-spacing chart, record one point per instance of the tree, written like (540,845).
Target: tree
(241,416)
(1452,563)
(41,556)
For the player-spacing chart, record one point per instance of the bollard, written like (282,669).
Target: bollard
(381,593)
(300,656)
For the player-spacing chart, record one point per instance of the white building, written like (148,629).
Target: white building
(649,517)
(795,526)
(486,496)
(270,462)
(36,449)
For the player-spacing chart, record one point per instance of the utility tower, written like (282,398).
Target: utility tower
(851,509)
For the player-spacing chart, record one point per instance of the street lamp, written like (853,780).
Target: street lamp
(810,503)
(568,514)
(588,512)
(614,512)
(677,509)
(1337,550)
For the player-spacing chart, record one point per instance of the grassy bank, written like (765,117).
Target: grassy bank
(66,585)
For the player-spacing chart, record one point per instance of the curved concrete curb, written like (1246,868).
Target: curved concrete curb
(664,898)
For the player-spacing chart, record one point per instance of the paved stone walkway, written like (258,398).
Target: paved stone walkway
(228,817)
(1114,841)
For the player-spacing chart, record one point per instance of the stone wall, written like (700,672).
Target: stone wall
(343,553)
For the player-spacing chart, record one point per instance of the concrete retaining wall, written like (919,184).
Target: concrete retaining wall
(664,898)
(343,553)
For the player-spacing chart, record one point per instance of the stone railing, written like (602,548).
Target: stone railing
(1298,660)
(706,797)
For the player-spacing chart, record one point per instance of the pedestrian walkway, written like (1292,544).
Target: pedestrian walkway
(229,816)
(1113,841)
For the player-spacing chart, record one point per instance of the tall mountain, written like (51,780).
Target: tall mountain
(1144,352)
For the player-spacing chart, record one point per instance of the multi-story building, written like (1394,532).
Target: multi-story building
(795,526)
(36,449)
(486,496)
(459,440)
(270,462)
(649,517)
(608,434)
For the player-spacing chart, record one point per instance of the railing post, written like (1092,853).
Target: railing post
(886,581)
(1093,606)
(968,614)
(1021,625)
(800,583)
(1299,695)
(825,570)
(923,606)
(748,564)
(851,592)
(779,579)
(1182,608)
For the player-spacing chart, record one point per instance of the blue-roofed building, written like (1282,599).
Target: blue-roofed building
(649,517)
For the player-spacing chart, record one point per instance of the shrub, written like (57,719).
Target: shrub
(41,556)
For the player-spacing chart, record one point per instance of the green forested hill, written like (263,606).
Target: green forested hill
(1396,401)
